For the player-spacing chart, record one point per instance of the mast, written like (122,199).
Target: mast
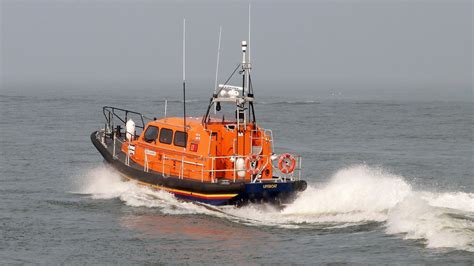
(250,93)
(243,96)
(245,71)
(184,74)
(246,66)
(217,64)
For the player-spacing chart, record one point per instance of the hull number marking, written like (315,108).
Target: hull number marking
(270,186)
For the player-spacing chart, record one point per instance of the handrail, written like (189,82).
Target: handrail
(167,168)
(110,110)
(213,171)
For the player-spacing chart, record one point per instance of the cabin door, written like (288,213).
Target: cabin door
(215,151)
(214,144)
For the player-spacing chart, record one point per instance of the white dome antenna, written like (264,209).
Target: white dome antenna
(130,129)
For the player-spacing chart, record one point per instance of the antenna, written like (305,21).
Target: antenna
(184,74)
(250,9)
(246,66)
(217,64)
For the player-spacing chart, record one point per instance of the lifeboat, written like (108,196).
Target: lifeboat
(223,157)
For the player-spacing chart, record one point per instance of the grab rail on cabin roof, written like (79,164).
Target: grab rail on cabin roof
(110,113)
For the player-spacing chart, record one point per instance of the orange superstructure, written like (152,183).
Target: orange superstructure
(205,153)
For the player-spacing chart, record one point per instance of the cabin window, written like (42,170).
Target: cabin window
(151,134)
(166,135)
(180,138)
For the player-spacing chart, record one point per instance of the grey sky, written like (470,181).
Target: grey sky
(352,46)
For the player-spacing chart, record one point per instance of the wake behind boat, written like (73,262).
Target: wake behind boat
(220,158)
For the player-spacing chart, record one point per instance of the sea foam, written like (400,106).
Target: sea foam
(352,196)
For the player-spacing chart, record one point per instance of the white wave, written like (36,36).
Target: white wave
(102,183)
(457,200)
(438,227)
(105,183)
(353,196)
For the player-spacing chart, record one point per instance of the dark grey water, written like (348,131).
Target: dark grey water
(390,182)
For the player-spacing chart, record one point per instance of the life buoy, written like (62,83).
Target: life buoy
(286,163)
(251,164)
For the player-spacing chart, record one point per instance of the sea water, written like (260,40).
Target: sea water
(389,181)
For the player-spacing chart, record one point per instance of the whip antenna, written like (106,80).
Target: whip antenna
(184,74)
(217,64)
(250,9)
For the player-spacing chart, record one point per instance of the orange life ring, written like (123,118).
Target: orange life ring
(251,164)
(286,163)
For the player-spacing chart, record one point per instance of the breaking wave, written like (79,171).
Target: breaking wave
(354,196)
